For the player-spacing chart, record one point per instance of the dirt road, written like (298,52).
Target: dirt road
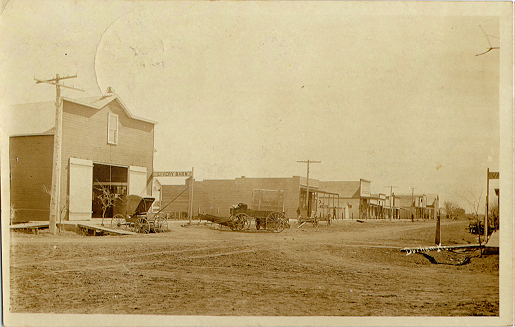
(346,269)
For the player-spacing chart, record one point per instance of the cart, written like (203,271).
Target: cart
(314,219)
(272,221)
(267,211)
(223,221)
(132,213)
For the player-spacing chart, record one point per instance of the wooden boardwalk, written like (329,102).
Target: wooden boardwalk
(34,226)
(102,229)
(88,228)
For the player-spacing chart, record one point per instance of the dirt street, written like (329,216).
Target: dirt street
(346,269)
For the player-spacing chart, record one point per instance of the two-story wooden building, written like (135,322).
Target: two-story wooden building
(103,144)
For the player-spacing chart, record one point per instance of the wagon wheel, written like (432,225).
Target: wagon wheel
(118,221)
(142,225)
(247,223)
(243,221)
(239,221)
(233,223)
(275,222)
(134,226)
(160,224)
(286,222)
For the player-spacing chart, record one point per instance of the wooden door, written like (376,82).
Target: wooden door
(137,181)
(81,188)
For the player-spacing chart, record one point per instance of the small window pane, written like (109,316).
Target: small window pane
(112,129)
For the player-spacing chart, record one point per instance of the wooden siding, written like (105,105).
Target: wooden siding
(31,168)
(85,137)
(354,207)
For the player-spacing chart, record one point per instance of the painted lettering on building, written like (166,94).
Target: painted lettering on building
(365,188)
(172,173)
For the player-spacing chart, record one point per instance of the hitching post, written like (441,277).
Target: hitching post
(438,231)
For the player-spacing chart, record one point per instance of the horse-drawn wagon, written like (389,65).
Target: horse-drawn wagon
(267,212)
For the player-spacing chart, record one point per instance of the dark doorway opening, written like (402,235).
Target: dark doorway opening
(112,179)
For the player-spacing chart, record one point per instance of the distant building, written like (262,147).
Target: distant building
(103,144)
(216,196)
(420,206)
(377,206)
(340,199)
(354,197)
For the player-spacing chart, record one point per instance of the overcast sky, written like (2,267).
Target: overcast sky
(248,89)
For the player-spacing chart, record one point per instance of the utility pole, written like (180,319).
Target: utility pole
(391,194)
(412,203)
(56,165)
(190,197)
(487,199)
(307,184)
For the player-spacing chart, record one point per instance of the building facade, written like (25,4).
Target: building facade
(103,146)
(416,206)
(353,196)
(339,199)
(217,196)
(378,206)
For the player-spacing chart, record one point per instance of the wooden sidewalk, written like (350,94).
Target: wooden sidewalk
(102,229)
(34,226)
(94,229)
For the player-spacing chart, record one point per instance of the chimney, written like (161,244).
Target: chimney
(110,91)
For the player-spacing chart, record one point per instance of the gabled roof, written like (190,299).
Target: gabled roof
(346,189)
(39,117)
(100,102)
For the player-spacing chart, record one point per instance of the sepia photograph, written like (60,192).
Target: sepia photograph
(257,163)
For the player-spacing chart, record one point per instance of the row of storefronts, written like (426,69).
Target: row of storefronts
(105,147)
(338,199)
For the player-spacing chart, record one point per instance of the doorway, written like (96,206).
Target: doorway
(108,178)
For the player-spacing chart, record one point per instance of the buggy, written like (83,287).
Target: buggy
(133,214)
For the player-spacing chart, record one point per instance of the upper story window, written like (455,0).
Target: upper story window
(112,128)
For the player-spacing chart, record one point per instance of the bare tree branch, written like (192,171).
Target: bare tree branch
(473,198)
(489,44)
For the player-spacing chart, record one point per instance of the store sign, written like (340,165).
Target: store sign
(172,173)
(365,189)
